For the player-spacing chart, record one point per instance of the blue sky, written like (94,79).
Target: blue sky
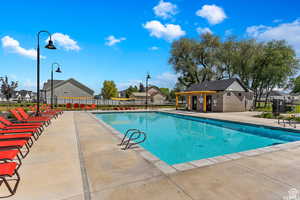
(123,40)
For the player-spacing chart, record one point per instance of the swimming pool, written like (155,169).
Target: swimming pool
(177,138)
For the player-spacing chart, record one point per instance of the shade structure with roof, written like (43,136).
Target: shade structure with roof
(228,95)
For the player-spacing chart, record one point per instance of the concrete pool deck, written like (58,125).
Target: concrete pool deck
(78,158)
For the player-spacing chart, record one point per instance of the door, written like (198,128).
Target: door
(194,103)
(209,103)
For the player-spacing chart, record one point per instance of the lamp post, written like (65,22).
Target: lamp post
(147,78)
(48,46)
(58,71)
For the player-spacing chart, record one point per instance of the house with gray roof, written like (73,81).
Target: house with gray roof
(66,89)
(228,95)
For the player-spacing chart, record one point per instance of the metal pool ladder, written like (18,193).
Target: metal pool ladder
(130,138)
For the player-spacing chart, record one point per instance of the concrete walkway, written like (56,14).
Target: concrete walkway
(52,170)
(78,158)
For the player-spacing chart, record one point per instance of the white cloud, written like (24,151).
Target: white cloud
(112,40)
(285,31)
(228,32)
(203,30)
(13,46)
(64,41)
(212,13)
(168,32)
(154,48)
(165,10)
(125,85)
(166,80)
(277,20)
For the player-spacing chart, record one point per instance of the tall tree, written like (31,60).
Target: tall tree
(294,85)
(109,89)
(226,57)
(195,61)
(130,90)
(165,91)
(275,65)
(7,89)
(142,88)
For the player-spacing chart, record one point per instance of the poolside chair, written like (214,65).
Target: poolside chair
(26,116)
(13,137)
(93,106)
(15,144)
(36,132)
(46,122)
(8,170)
(11,155)
(33,132)
(17,124)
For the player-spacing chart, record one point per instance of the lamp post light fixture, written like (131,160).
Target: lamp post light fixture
(48,46)
(147,79)
(58,71)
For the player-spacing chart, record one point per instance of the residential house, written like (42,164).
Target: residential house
(228,95)
(24,95)
(65,91)
(155,96)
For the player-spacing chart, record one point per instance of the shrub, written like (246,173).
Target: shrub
(267,115)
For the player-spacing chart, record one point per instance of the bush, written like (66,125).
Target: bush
(267,115)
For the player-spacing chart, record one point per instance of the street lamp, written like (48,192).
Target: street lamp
(48,46)
(58,71)
(147,78)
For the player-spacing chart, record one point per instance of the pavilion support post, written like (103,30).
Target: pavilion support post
(204,102)
(189,102)
(176,102)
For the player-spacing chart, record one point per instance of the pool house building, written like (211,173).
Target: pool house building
(228,95)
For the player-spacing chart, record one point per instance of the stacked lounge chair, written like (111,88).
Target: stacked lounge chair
(16,139)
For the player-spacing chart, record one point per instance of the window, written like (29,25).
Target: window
(240,94)
(228,93)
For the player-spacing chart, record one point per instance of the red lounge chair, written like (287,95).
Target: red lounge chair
(9,123)
(24,136)
(15,144)
(19,118)
(34,132)
(10,155)
(26,116)
(93,106)
(3,126)
(8,170)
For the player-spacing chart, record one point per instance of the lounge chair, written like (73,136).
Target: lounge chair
(10,155)
(46,122)
(26,116)
(15,144)
(8,170)
(13,137)
(9,123)
(3,126)
(35,132)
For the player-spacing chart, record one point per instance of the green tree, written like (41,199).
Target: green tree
(274,66)
(195,61)
(109,89)
(130,90)
(295,84)
(7,89)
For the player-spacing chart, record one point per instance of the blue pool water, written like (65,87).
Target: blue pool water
(178,139)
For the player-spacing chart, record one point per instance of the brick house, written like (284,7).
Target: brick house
(228,95)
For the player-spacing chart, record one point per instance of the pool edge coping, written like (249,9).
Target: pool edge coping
(176,168)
